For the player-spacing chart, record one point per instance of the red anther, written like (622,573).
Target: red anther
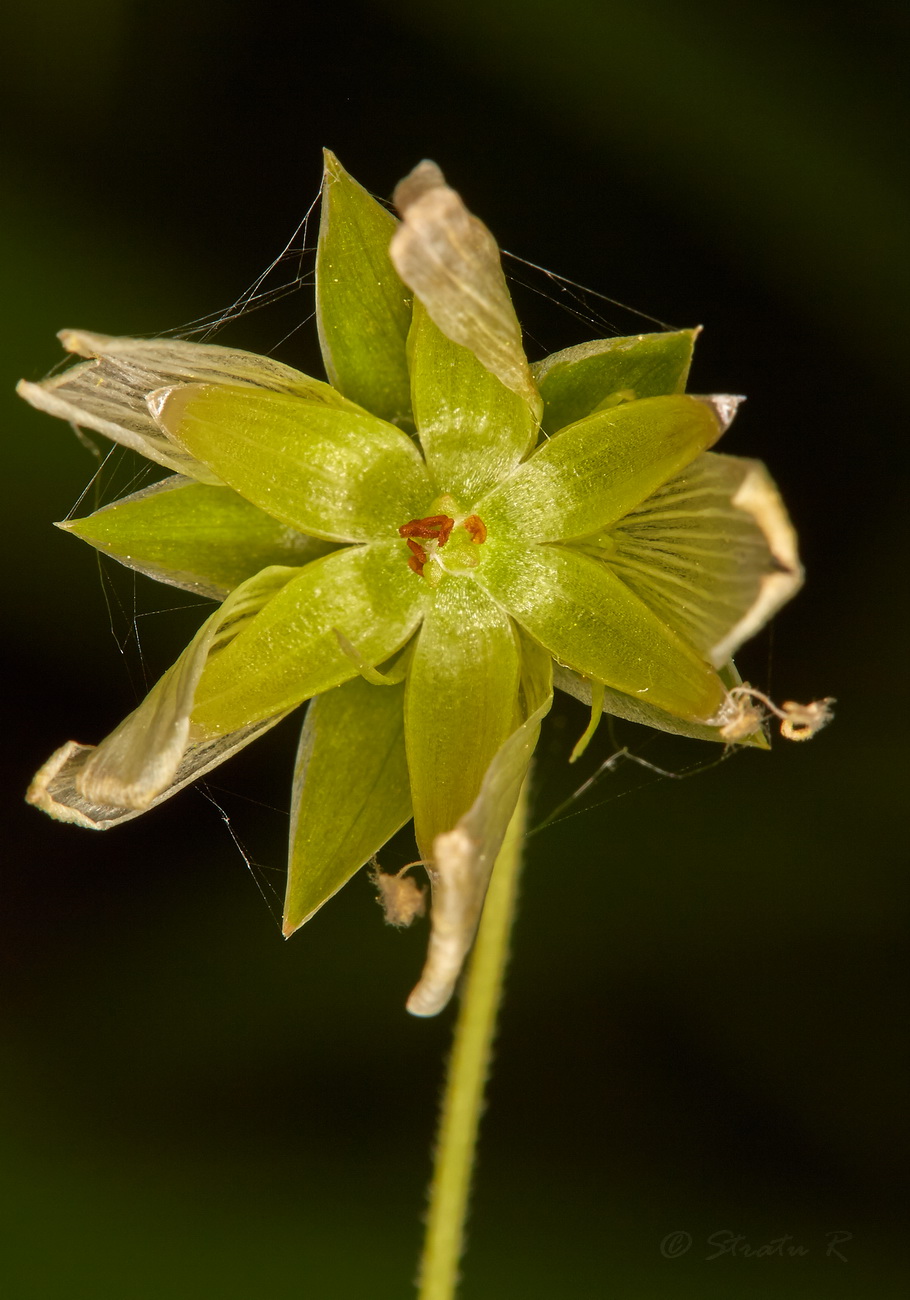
(416,549)
(476,528)
(436,527)
(416,565)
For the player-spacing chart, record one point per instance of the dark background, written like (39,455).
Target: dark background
(705,1022)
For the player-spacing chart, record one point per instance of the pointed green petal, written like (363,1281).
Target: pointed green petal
(607,372)
(341,475)
(599,469)
(363,310)
(193,535)
(712,551)
(589,620)
(473,430)
(464,856)
(291,651)
(351,791)
(156,751)
(451,261)
(460,703)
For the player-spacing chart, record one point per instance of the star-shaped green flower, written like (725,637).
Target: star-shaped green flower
(420,548)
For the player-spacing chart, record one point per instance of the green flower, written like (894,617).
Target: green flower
(421,548)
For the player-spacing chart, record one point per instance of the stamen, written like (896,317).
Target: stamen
(477,529)
(436,531)
(418,557)
(437,527)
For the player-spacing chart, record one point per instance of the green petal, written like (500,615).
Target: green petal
(473,430)
(155,751)
(712,551)
(363,311)
(464,857)
(341,475)
(451,261)
(108,394)
(203,538)
(460,703)
(589,620)
(608,372)
(351,791)
(291,650)
(602,467)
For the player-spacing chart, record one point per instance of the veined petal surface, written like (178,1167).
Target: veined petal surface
(197,536)
(712,551)
(363,311)
(351,791)
(338,474)
(291,650)
(473,430)
(451,261)
(589,620)
(57,786)
(600,468)
(607,372)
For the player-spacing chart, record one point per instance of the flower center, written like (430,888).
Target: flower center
(426,538)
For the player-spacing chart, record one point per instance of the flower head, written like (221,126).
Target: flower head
(421,548)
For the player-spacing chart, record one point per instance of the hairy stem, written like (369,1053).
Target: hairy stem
(468,1067)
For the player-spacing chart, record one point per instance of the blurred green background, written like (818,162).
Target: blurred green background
(706,1014)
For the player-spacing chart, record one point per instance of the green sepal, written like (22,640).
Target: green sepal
(474,431)
(635,710)
(290,651)
(460,704)
(602,467)
(338,474)
(205,539)
(589,620)
(608,372)
(351,791)
(363,311)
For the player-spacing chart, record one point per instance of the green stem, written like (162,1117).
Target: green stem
(468,1068)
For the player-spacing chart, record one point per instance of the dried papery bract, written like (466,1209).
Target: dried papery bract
(451,261)
(157,750)
(109,392)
